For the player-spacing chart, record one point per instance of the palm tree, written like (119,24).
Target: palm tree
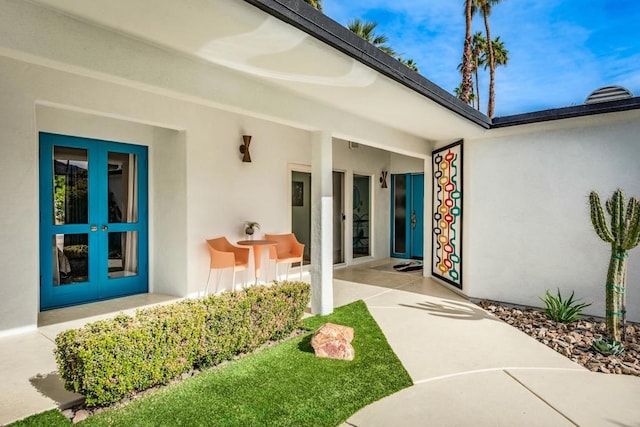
(484,8)
(315,3)
(365,29)
(500,53)
(409,63)
(478,59)
(458,93)
(466,87)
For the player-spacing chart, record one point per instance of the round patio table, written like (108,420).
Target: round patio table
(257,246)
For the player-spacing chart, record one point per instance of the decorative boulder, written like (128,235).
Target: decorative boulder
(333,341)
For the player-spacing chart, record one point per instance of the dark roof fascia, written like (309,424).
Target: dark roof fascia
(567,112)
(306,18)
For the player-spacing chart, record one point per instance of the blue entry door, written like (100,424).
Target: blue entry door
(407,215)
(93,220)
(417,216)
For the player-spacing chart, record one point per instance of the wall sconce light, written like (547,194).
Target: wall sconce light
(383,179)
(244,148)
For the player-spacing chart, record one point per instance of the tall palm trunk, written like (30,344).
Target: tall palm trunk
(479,52)
(467,64)
(477,91)
(492,66)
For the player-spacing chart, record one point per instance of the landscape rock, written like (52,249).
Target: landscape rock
(333,341)
(80,416)
(573,340)
(69,413)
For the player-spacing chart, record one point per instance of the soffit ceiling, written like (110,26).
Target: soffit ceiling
(236,35)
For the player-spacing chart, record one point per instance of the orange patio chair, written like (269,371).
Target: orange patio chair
(224,255)
(287,251)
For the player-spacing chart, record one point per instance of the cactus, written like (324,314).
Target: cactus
(623,235)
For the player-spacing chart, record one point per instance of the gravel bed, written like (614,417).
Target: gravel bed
(573,340)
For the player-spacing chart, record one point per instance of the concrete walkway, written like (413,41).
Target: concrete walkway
(468,368)
(471,369)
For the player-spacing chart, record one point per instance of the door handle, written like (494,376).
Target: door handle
(414,220)
(105,228)
(94,228)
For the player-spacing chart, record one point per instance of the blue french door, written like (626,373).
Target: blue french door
(417,216)
(407,215)
(93,220)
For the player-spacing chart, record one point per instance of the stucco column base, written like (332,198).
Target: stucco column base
(321,223)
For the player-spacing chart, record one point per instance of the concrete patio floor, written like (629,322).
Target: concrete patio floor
(468,367)
(471,369)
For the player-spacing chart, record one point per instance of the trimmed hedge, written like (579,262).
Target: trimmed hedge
(111,359)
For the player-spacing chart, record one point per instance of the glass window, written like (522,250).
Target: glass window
(70,186)
(361,215)
(123,254)
(70,258)
(123,187)
(338,217)
(400,214)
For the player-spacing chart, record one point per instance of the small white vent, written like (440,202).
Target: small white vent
(608,93)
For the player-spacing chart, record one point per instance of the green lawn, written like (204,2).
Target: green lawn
(285,385)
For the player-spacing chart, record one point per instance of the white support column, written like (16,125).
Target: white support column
(321,223)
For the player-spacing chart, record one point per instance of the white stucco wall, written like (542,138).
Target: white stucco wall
(527,224)
(61,75)
(199,188)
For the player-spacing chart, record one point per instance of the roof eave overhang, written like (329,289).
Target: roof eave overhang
(306,18)
(567,112)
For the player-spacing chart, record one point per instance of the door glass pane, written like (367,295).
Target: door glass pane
(301,210)
(70,258)
(338,217)
(70,185)
(400,214)
(361,206)
(123,254)
(123,187)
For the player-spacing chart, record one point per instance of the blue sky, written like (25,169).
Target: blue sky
(559,51)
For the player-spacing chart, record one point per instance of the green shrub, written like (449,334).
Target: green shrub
(562,310)
(111,359)
(76,251)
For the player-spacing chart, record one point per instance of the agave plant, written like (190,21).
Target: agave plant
(562,310)
(623,235)
(607,347)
